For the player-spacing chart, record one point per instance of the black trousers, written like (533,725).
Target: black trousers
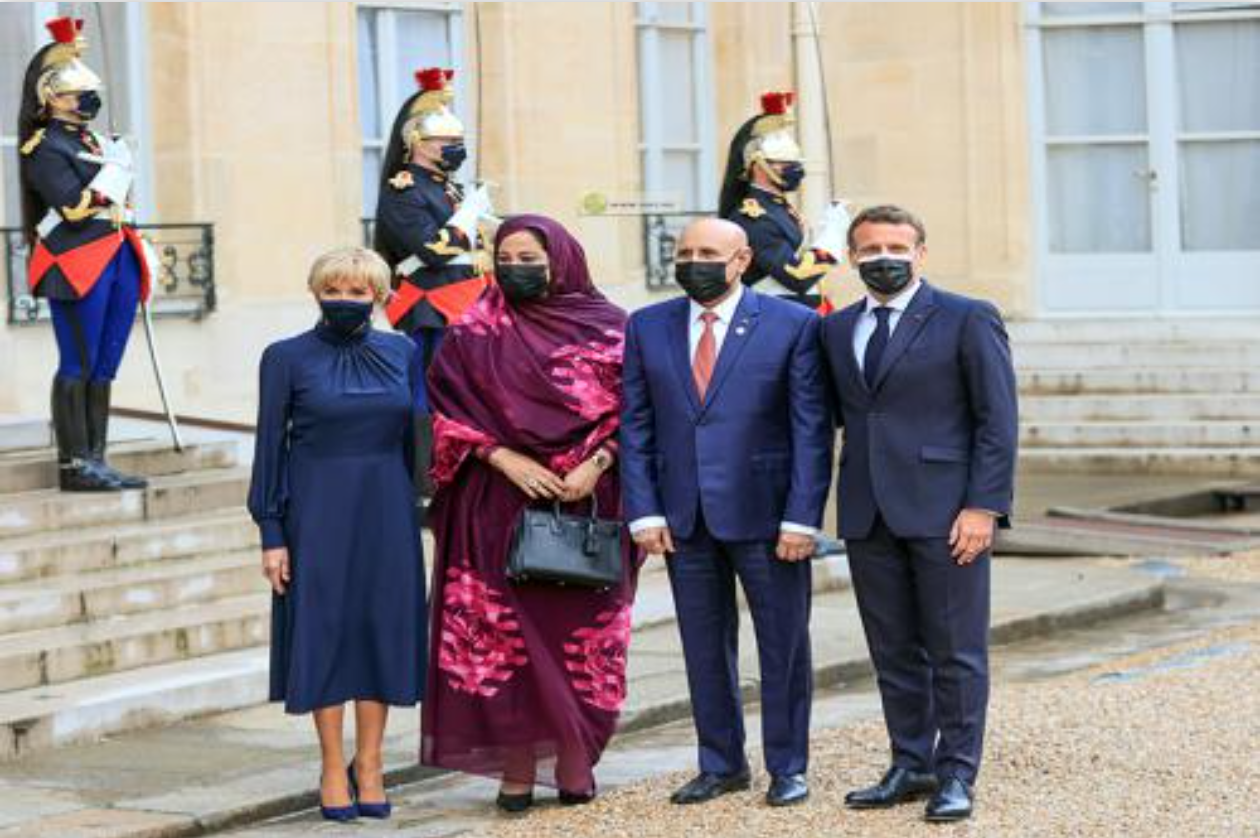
(927,627)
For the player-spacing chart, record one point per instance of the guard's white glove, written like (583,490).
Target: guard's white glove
(475,206)
(833,231)
(117,171)
(118,151)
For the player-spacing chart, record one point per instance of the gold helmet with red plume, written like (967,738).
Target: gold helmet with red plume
(62,71)
(428,114)
(771,134)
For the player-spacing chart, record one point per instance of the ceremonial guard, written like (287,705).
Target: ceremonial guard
(86,257)
(763,168)
(426,229)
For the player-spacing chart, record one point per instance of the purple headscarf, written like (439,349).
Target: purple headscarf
(542,377)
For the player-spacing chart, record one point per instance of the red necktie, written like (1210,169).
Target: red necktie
(706,355)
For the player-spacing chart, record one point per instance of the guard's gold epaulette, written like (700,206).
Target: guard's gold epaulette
(402,180)
(752,208)
(28,147)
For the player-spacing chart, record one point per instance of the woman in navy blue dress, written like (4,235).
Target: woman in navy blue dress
(334,499)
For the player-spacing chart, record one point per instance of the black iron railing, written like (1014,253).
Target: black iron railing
(183,287)
(660,238)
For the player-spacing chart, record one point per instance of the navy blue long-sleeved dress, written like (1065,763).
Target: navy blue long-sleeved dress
(332,483)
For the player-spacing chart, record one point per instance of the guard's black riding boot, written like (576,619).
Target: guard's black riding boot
(424,454)
(98,393)
(75,470)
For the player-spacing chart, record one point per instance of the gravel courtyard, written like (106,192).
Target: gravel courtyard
(1155,745)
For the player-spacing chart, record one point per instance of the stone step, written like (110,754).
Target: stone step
(79,711)
(19,432)
(81,550)
(1202,434)
(1071,381)
(1168,408)
(109,594)
(1030,598)
(1208,462)
(1111,354)
(68,653)
(169,496)
(26,471)
(654,601)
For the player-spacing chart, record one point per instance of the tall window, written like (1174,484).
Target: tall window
(393,44)
(1146,126)
(676,104)
(116,54)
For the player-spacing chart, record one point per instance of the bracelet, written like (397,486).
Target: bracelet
(602,459)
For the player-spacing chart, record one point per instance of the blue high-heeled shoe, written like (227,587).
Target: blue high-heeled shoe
(379,811)
(340,814)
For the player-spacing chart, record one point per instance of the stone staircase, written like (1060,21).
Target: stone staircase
(1139,397)
(124,610)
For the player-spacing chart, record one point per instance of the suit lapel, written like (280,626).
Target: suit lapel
(680,352)
(848,320)
(922,307)
(738,334)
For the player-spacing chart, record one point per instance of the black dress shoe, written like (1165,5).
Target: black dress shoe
(951,803)
(514,804)
(575,798)
(707,786)
(898,786)
(788,790)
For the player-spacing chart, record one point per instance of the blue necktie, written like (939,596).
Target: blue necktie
(875,346)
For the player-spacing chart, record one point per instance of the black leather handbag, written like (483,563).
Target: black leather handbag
(555,547)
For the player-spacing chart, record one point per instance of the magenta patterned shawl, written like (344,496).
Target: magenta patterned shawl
(541,378)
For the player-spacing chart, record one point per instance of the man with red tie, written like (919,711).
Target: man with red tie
(725,448)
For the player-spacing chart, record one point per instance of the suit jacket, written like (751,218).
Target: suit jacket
(67,263)
(775,234)
(756,452)
(411,220)
(939,431)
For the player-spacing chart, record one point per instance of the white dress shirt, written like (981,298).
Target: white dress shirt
(725,312)
(867,321)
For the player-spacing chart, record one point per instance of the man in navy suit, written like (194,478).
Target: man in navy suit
(925,391)
(726,459)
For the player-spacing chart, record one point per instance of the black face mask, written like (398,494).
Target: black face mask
(522,283)
(886,276)
(453,156)
(89,104)
(790,176)
(346,317)
(704,282)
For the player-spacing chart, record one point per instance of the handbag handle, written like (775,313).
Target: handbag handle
(589,544)
(555,509)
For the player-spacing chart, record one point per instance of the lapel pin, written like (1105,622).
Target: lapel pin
(740,330)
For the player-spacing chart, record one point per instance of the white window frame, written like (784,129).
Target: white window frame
(652,145)
(388,95)
(1174,272)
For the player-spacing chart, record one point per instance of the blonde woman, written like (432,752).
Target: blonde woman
(334,498)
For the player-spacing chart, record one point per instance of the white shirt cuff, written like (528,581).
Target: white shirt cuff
(638,525)
(799,529)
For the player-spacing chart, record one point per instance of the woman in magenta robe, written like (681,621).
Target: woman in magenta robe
(527,679)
